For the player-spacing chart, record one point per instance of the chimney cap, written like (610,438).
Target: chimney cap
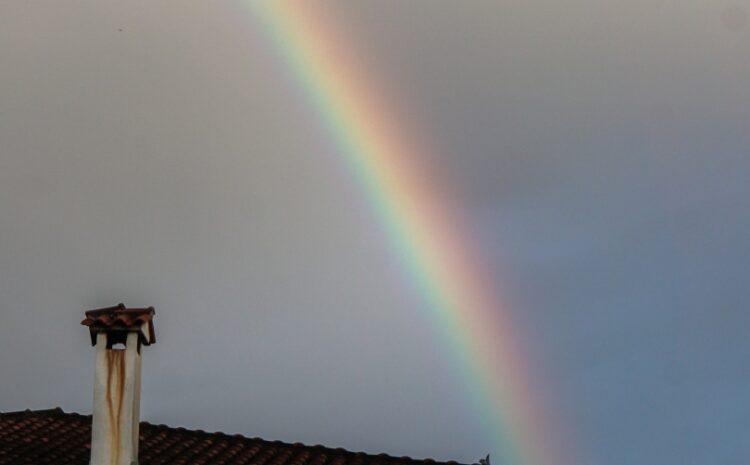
(121,318)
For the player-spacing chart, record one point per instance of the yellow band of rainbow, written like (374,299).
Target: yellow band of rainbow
(428,235)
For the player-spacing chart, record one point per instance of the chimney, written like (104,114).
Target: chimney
(119,334)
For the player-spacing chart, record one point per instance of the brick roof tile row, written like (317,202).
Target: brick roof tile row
(60,438)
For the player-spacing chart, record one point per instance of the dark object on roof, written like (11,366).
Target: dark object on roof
(59,438)
(121,318)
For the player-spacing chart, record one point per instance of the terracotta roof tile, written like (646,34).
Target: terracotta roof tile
(121,317)
(55,437)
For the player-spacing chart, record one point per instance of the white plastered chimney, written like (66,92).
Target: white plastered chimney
(118,333)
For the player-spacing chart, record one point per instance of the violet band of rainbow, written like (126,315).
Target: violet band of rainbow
(427,233)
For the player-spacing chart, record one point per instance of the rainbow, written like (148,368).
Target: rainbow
(428,235)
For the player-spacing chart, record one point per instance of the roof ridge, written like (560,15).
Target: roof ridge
(337,450)
(58,411)
(27,412)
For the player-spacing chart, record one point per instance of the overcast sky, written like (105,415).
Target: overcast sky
(156,153)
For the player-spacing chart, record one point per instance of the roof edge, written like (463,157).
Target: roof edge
(28,412)
(58,411)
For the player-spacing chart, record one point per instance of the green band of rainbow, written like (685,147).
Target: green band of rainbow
(464,308)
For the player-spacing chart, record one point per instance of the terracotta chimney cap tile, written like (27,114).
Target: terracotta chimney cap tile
(122,318)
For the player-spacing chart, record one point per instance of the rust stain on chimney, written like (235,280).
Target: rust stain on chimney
(115,394)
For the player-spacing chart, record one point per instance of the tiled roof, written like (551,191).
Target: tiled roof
(121,317)
(59,438)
